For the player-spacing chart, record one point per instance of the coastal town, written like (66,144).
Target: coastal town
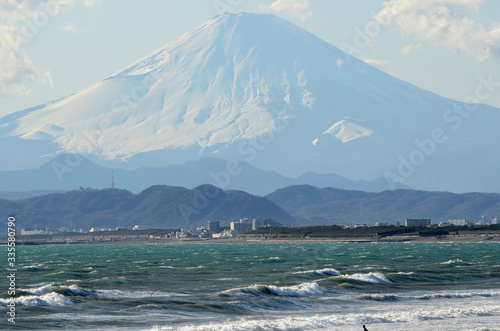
(267,229)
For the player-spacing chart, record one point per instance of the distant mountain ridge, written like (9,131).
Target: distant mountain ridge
(334,206)
(302,205)
(156,207)
(69,172)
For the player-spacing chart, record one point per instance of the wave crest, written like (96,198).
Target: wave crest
(320,272)
(372,277)
(301,290)
(51,299)
(58,295)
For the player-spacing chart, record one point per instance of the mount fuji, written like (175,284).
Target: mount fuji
(256,88)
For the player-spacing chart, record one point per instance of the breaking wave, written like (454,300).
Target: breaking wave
(437,295)
(320,272)
(51,299)
(57,295)
(421,319)
(301,290)
(372,277)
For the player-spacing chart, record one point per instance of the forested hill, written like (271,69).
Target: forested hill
(155,207)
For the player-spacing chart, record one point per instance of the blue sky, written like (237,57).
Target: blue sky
(50,49)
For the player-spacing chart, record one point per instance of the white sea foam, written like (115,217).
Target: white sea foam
(45,289)
(320,272)
(134,294)
(301,290)
(51,299)
(35,266)
(77,291)
(227,278)
(372,277)
(434,295)
(198,267)
(456,261)
(56,291)
(404,319)
(456,294)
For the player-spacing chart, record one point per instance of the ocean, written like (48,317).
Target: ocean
(256,286)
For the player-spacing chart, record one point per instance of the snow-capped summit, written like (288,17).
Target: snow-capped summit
(257,88)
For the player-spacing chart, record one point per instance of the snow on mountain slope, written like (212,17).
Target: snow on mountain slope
(256,88)
(345,130)
(213,85)
(210,86)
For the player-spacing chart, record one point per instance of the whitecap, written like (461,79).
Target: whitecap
(453,261)
(134,294)
(45,289)
(33,267)
(49,299)
(198,267)
(372,277)
(229,278)
(457,294)
(412,319)
(300,290)
(403,273)
(74,290)
(320,272)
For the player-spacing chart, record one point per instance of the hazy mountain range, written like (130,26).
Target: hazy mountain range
(256,88)
(69,172)
(309,204)
(171,207)
(163,207)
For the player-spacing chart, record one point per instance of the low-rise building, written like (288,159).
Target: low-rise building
(417,222)
(242,226)
(460,222)
(98,229)
(32,232)
(258,223)
(213,227)
(355,226)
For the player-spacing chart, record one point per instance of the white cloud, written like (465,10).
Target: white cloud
(301,9)
(442,24)
(71,28)
(377,63)
(20,22)
(411,49)
(48,79)
(92,3)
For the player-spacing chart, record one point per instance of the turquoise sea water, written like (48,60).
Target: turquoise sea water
(276,286)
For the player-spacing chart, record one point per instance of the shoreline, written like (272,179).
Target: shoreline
(104,240)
